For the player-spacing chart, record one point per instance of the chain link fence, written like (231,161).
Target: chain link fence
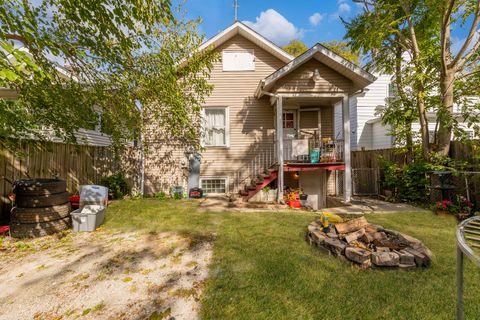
(339,182)
(365,181)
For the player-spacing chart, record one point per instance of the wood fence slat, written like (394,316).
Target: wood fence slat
(75,164)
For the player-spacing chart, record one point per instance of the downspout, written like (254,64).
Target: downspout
(142,166)
(142,153)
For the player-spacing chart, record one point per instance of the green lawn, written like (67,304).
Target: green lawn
(264,269)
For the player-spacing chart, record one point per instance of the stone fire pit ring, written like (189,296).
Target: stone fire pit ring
(369,245)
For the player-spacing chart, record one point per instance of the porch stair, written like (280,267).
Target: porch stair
(258,184)
(256,173)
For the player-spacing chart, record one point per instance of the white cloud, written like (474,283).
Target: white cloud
(344,7)
(275,27)
(315,19)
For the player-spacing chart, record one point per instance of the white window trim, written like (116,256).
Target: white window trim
(252,51)
(227,126)
(227,183)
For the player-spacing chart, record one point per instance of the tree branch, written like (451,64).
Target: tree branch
(446,35)
(471,34)
(467,57)
(411,29)
(17,37)
(466,75)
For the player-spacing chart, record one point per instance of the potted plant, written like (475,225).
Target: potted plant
(465,208)
(266,194)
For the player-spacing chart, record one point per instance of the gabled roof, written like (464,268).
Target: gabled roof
(358,75)
(238,28)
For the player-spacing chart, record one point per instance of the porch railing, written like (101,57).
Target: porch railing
(326,151)
(259,163)
(318,151)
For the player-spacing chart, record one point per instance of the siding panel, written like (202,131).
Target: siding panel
(300,80)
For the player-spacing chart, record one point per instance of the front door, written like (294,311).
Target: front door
(289,125)
(289,121)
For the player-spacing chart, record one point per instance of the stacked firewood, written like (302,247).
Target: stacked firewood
(369,245)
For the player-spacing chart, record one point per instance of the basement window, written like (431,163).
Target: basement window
(214,185)
(238,60)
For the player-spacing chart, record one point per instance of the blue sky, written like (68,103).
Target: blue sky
(311,21)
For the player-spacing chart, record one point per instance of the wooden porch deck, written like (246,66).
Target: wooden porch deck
(303,166)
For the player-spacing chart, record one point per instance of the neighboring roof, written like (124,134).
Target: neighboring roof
(358,75)
(238,28)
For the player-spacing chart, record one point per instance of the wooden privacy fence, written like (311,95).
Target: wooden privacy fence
(469,153)
(76,164)
(369,158)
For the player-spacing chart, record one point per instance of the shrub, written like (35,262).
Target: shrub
(161,196)
(408,182)
(116,184)
(390,174)
(414,181)
(447,206)
(178,196)
(136,196)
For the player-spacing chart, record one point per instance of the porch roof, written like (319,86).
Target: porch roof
(359,77)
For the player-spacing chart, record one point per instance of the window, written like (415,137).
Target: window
(216,127)
(241,60)
(392,90)
(214,185)
(288,120)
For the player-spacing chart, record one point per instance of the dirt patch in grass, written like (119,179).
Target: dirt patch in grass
(104,275)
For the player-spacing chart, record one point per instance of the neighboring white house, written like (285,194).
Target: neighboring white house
(368,132)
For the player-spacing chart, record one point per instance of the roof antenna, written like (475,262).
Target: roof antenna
(235,6)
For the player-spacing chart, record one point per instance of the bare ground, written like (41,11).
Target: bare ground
(103,275)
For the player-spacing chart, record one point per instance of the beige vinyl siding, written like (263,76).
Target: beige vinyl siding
(164,167)
(309,120)
(331,183)
(164,160)
(300,80)
(251,120)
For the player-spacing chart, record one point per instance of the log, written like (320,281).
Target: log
(352,225)
(352,236)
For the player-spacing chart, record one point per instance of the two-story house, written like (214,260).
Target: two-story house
(270,120)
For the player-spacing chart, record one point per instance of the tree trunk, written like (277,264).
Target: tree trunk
(401,93)
(444,134)
(447,78)
(418,86)
(409,137)
(422,114)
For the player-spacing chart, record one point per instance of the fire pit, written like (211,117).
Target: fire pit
(369,245)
